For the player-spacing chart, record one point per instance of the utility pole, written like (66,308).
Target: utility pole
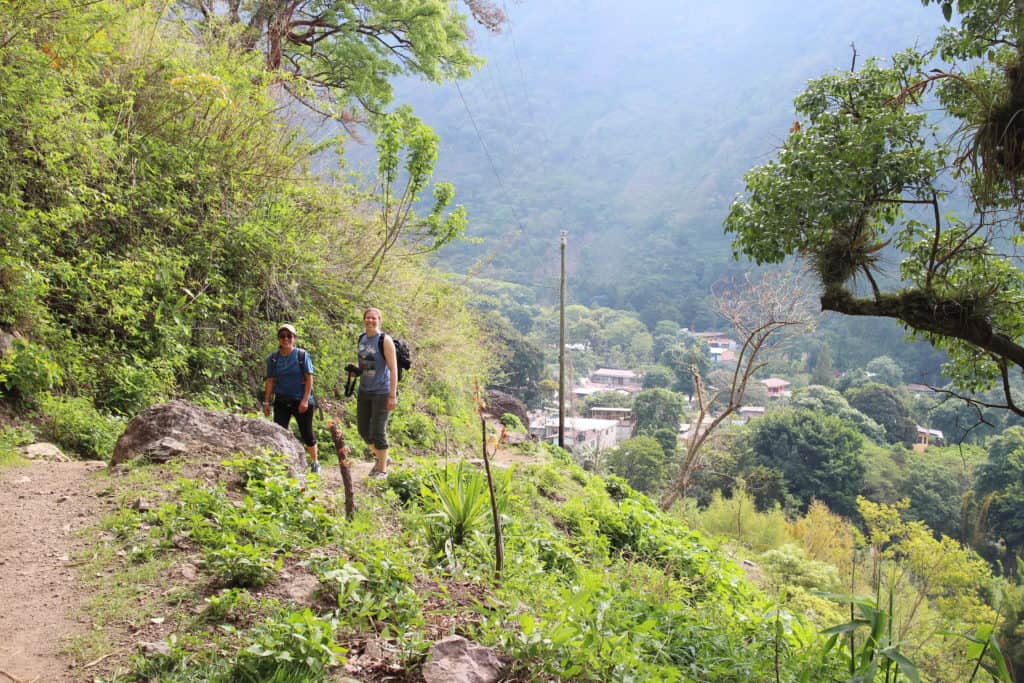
(561,348)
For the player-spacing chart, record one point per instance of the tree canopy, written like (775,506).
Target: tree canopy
(869,175)
(1002,478)
(817,454)
(339,54)
(887,407)
(657,409)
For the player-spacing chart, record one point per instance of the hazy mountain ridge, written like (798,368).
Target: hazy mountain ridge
(631,128)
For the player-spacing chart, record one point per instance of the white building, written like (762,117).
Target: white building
(584,433)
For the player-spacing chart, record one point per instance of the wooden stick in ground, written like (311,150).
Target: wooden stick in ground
(499,542)
(345,465)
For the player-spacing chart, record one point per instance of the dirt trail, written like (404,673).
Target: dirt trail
(42,506)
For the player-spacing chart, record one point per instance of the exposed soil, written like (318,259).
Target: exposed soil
(44,508)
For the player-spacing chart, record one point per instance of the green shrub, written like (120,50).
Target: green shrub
(138,383)
(11,439)
(276,507)
(457,505)
(29,371)
(738,518)
(243,565)
(512,422)
(617,487)
(295,646)
(227,605)
(406,483)
(21,293)
(77,425)
(789,565)
(373,586)
(414,430)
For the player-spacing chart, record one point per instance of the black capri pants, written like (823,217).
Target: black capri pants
(285,408)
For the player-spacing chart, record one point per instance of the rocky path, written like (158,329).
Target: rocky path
(42,506)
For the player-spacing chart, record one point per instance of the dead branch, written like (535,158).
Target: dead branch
(345,465)
(761,311)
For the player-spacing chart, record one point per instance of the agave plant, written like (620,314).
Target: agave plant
(458,505)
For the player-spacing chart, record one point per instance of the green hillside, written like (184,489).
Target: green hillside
(631,126)
(164,208)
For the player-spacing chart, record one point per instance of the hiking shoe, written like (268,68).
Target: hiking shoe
(378,475)
(314,467)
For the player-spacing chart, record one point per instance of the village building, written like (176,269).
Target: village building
(717,340)
(616,379)
(609,379)
(750,412)
(928,437)
(777,388)
(583,433)
(722,355)
(623,416)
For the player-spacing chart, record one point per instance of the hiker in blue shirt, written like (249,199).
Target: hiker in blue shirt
(289,378)
(378,387)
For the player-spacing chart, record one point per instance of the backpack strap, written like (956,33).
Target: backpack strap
(380,341)
(276,356)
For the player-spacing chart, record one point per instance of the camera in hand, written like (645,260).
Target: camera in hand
(353,372)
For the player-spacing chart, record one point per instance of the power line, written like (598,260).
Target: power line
(480,138)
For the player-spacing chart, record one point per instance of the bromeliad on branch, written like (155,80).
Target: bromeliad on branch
(870,176)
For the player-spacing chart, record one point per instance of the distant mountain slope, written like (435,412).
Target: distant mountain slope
(630,125)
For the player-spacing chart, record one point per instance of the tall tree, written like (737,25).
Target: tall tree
(869,170)
(640,461)
(762,311)
(818,455)
(887,407)
(830,401)
(823,373)
(1002,479)
(885,370)
(656,409)
(344,54)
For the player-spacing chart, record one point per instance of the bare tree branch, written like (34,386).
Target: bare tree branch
(763,312)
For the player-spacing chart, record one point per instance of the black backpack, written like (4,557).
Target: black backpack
(402,357)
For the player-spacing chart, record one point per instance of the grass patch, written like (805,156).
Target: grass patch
(11,440)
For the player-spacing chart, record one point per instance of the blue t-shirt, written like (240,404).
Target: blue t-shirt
(288,375)
(376,377)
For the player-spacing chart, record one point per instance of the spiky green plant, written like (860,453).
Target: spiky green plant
(457,506)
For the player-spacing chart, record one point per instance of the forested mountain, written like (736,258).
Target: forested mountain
(630,125)
(161,215)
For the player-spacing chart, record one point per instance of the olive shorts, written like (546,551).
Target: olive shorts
(372,417)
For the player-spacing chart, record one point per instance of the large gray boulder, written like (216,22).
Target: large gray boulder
(170,430)
(457,660)
(499,403)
